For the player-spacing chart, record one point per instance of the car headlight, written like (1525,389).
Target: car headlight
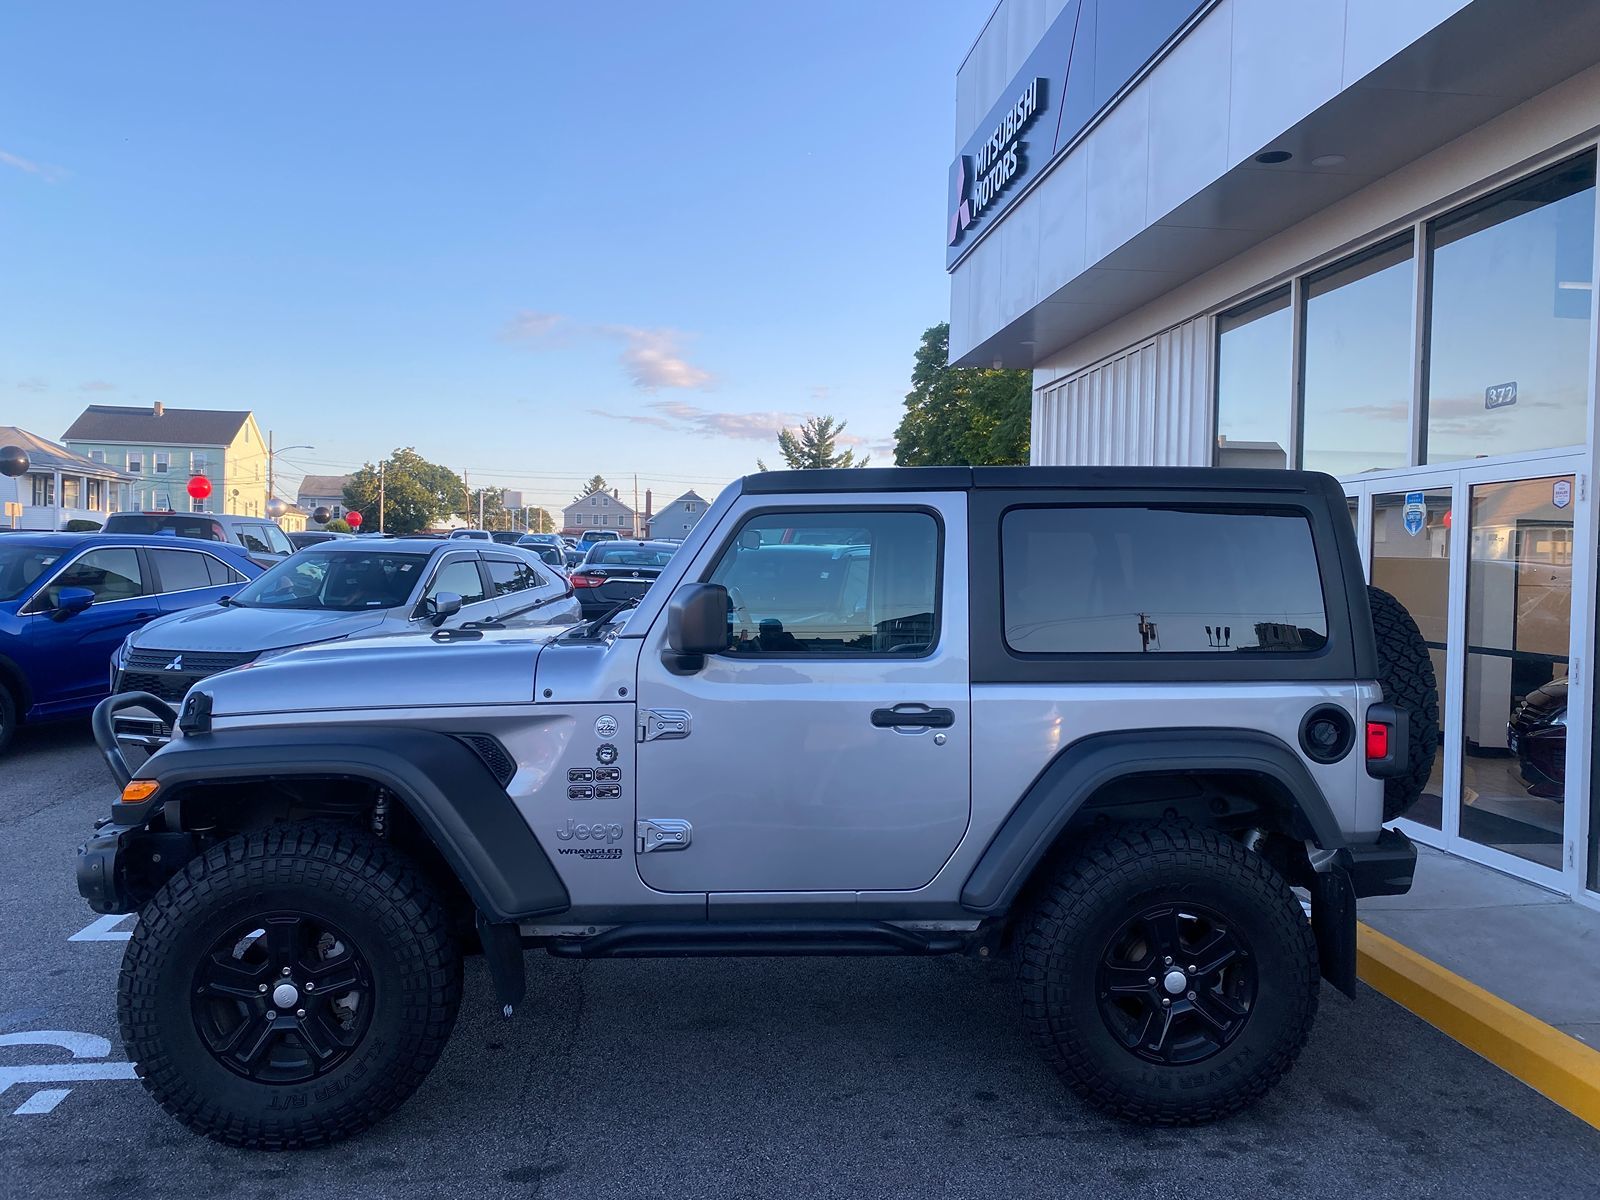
(119,656)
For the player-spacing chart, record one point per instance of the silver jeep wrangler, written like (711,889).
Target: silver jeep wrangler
(1104,722)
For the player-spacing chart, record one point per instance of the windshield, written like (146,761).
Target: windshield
(342,582)
(624,555)
(21,565)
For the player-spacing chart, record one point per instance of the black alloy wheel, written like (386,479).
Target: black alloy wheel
(282,998)
(1176,984)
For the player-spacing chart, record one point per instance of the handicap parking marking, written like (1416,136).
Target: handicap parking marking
(80,1046)
(104,929)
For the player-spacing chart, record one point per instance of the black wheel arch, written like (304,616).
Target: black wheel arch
(1217,776)
(459,808)
(15,681)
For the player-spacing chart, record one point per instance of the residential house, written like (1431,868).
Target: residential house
(600,510)
(59,486)
(322,491)
(163,448)
(675,520)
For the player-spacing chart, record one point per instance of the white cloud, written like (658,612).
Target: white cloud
(44,171)
(652,358)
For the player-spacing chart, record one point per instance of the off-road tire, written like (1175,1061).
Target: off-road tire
(342,875)
(1405,672)
(1064,938)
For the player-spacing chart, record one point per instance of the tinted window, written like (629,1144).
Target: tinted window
(111,574)
(872,590)
(329,580)
(627,554)
(20,566)
(276,539)
(1129,580)
(460,577)
(509,577)
(221,572)
(170,524)
(181,570)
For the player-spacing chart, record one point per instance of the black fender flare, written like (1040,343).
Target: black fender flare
(461,807)
(1089,764)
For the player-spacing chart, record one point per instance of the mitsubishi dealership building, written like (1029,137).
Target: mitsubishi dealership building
(1355,236)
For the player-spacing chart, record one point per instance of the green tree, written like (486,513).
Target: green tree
(491,503)
(539,521)
(338,525)
(416,492)
(597,483)
(962,416)
(811,447)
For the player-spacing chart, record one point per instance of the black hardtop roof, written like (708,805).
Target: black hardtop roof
(955,479)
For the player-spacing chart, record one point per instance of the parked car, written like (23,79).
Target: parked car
(1537,735)
(505,537)
(67,600)
(343,589)
(591,536)
(471,535)
(262,540)
(615,572)
(550,556)
(542,539)
(314,537)
(1002,722)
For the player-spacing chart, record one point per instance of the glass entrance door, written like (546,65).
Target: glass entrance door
(1483,557)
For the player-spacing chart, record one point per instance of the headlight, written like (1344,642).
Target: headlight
(119,657)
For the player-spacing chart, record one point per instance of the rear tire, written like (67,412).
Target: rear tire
(8,716)
(1093,976)
(1405,671)
(204,998)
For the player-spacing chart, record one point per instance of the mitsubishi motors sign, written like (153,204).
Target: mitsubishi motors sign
(1090,53)
(999,159)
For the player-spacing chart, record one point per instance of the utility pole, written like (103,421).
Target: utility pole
(636,529)
(380,496)
(270,492)
(480,508)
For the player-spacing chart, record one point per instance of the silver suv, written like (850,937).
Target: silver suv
(1100,722)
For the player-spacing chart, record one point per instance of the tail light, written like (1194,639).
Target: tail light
(1377,740)
(581,580)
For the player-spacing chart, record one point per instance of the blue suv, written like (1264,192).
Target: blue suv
(67,601)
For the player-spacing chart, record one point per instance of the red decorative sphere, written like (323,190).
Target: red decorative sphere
(199,487)
(353,519)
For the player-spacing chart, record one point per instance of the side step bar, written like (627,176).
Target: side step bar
(757,938)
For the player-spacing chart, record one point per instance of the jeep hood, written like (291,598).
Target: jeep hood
(400,671)
(241,630)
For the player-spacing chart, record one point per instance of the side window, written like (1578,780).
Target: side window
(1138,580)
(842,584)
(181,570)
(276,539)
(461,577)
(251,539)
(221,572)
(111,574)
(509,577)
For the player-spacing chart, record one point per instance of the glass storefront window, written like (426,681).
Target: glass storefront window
(1411,561)
(1508,348)
(1254,383)
(1519,630)
(1357,372)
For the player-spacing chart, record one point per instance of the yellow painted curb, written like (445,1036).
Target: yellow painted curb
(1544,1058)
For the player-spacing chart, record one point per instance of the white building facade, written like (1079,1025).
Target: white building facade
(1353,236)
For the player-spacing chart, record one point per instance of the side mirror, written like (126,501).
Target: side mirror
(442,606)
(70,601)
(697,624)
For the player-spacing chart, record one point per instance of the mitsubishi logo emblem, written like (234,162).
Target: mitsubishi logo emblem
(175,665)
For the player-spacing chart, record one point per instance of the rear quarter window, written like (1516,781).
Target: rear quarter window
(1126,579)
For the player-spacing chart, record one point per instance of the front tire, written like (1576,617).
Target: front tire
(1176,914)
(289,987)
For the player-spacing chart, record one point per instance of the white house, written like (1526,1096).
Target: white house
(675,520)
(59,486)
(600,510)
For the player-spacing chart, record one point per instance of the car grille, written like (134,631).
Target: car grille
(153,671)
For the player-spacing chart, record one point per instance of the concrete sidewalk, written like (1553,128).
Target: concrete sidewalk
(1532,948)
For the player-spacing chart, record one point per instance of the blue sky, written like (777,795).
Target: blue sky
(534,240)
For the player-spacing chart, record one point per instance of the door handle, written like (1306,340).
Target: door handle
(141,618)
(913,716)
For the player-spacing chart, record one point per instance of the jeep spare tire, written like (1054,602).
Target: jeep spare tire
(1405,671)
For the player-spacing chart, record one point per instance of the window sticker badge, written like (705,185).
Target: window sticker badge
(1415,514)
(605,727)
(1561,493)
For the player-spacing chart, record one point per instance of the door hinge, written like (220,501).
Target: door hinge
(663,724)
(663,833)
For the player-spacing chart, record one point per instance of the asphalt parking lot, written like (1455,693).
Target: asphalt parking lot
(783,1077)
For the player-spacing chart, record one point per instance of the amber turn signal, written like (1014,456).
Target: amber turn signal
(139,789)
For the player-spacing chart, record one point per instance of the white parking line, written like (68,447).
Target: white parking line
(104,929)
(80,1045)
(41,1102)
